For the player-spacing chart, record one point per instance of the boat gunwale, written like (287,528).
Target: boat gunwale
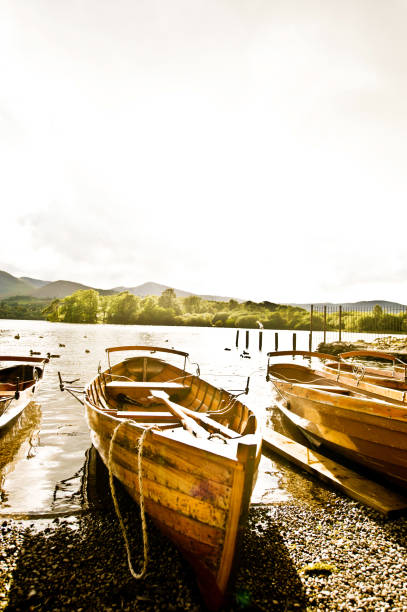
(193,446)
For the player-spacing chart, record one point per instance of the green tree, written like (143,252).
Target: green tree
(377,311)
(168,299)
(51,312)
(194,304)
(80,307)
(233,304)
(123,308)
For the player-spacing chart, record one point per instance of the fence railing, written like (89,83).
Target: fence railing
(346,319)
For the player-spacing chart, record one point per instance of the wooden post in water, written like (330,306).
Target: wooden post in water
(237,338)
(260,340)
(276,341)
(325,324)
(340,323)
(310,327)
(247,338)
(294,342)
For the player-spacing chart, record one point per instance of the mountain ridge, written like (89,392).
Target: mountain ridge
(11,286)
(35,282)
(363,304)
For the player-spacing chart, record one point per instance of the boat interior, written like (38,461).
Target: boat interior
(385,377)
(302,375)
(149,390)
(21,375)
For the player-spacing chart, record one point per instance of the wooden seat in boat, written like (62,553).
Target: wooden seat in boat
(146,384)
(331,389)
(146,417)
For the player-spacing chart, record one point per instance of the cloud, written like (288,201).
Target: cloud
(250,149)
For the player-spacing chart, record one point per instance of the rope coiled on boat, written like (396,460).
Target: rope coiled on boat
(141,492)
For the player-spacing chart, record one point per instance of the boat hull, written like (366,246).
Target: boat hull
(370,432)
(196,491)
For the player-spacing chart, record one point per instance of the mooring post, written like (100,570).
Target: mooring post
(247,338)
(311,321)
(340,323)
(237,338)
(325,324)
(294,342)
(260,340)
(276,341)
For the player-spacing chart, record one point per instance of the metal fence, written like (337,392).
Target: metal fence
(343,320)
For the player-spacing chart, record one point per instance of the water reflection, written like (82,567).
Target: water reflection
(70,492)
(18,441)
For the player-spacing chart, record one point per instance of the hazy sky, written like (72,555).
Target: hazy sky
(252,148)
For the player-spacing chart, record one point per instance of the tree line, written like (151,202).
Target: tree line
(88,306)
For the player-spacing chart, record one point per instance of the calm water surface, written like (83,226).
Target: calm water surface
(43,457)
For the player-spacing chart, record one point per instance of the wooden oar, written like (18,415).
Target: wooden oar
(198,417)
(187,422)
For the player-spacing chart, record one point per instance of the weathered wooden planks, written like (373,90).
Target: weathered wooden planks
(345,480)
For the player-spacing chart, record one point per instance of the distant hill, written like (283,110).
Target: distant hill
(41,289)
(10,285)
(151,288)
(35,282)
(363,305)
(61,288)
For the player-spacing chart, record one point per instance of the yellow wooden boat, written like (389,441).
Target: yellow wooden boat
(382,383)
(18,383)
(366,430)
(385,383)
(199,459)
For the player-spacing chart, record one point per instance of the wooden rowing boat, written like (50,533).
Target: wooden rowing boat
(199,463)
(384,383)
(369,431)
(18,383)
(381,383)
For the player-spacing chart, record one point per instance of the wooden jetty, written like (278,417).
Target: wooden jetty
(347,481)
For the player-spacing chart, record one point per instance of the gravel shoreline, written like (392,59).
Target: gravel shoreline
(356,560)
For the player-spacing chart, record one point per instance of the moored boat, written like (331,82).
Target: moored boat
(366,430)
(18,383)
(379,382)
(385,383)
(200,452)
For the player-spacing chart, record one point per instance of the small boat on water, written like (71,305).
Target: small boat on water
(385,383)
(380,382)
(200,454)
(366,430)
(18,383)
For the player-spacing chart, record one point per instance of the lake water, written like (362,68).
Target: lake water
(43,457)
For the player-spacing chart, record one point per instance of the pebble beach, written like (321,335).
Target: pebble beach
(316,551)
